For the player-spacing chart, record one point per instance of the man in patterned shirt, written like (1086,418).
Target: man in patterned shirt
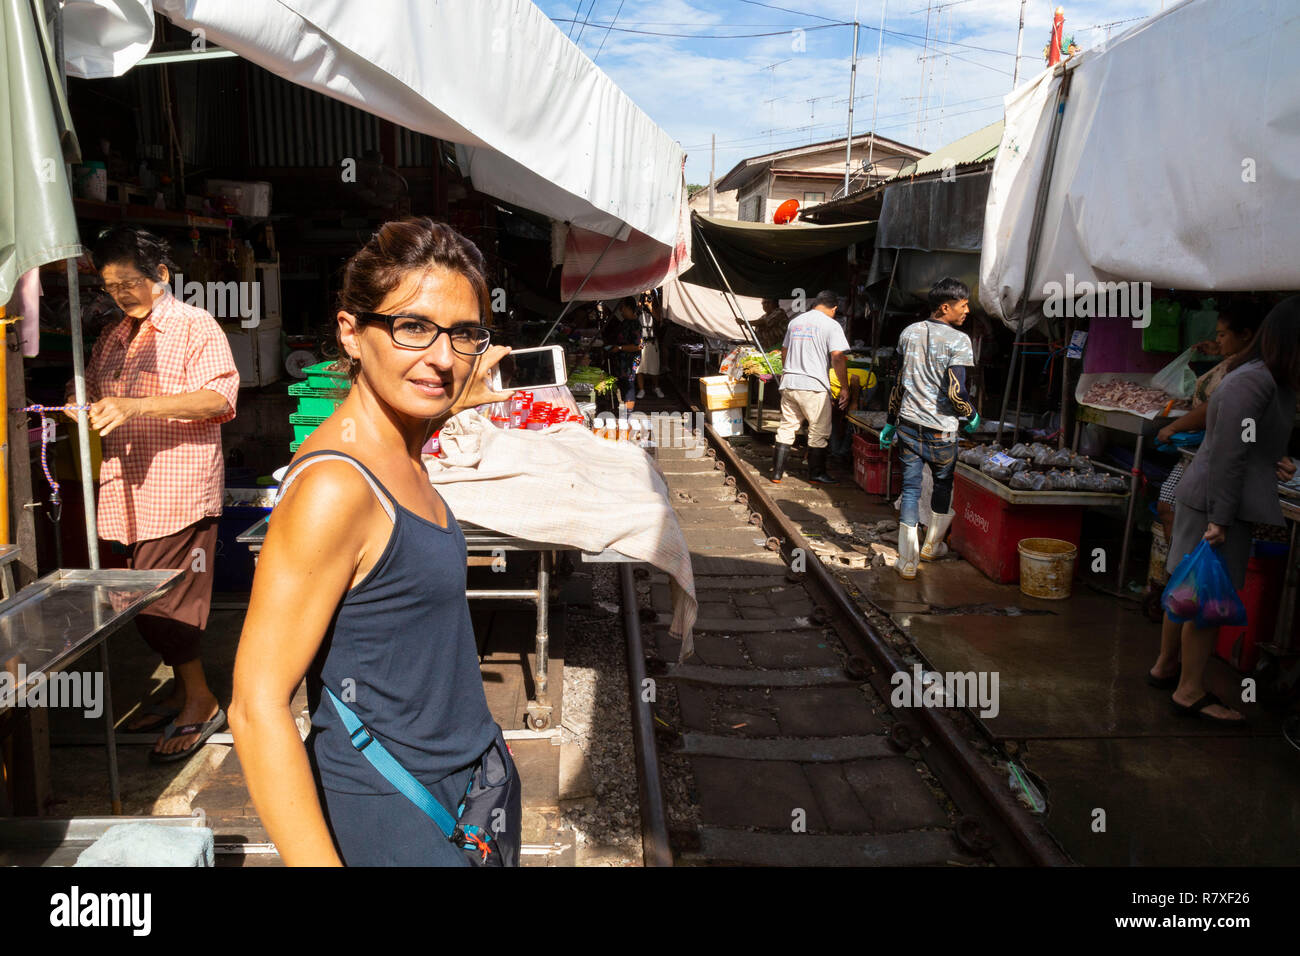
(162,380)
(928,403)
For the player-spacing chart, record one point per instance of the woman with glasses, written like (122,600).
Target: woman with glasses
(360,585)
(162,382)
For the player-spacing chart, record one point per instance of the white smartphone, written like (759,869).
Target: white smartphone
(531,368)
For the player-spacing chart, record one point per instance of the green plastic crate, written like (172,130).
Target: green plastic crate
(320,376)
(319,402)
(294,446)
(304,425)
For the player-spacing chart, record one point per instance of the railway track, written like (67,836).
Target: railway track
(783,717)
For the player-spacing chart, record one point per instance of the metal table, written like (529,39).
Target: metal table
(484,541)
(50,624)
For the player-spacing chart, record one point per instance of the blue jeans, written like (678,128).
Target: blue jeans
(917,446)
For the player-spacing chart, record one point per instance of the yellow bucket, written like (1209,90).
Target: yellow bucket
(1046,567)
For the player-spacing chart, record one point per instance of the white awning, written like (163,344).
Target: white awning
(536,122)
(1176,164)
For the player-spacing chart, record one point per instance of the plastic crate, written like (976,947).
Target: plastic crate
(294,446)
(870,465)
(321,376)
(304,425)
(319,402)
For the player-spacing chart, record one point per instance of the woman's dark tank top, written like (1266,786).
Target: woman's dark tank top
(400,652)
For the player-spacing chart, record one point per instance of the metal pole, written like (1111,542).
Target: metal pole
(654,819)
(1128,520)
(875,363)
(1020,39)
(713,155)
(875,98)
(564,311)
(1035,234)
(1065,378)
(734,305)
(83,449)
(853,78)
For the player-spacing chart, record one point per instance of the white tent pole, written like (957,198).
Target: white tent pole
(565,310)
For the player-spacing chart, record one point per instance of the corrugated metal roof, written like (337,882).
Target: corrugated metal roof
(977,147)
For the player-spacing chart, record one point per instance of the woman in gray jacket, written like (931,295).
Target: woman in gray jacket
(1230,485)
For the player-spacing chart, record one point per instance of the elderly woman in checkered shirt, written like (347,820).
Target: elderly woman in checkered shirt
(162,380)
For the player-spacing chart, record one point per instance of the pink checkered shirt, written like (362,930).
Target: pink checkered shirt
(159,476)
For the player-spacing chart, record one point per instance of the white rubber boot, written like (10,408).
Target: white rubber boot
(934,547)
(907,552)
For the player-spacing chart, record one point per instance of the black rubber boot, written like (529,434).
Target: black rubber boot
(817,467)
(778,462)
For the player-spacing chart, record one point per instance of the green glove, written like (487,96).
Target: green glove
(974,423)
(887,436)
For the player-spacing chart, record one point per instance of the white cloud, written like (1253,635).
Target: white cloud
(696,87)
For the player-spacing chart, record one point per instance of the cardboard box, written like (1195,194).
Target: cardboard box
(719,392)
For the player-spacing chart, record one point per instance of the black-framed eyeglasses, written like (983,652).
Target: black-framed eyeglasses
(417,332)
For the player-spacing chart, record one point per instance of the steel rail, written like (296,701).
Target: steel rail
(1033,842)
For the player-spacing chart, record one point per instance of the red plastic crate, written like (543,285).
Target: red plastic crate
(987,529)
(1239,645)
(870,462)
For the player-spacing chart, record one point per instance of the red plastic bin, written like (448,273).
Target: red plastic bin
(1239,646)
(987,529)
(870,463)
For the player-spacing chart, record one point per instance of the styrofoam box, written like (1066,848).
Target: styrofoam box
(253,199)
(728,421)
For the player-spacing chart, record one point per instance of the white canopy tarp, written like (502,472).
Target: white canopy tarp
(535,121)
(1178,161)
(706,310)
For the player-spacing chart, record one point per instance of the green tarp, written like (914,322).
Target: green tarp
(37,223)
(767,260)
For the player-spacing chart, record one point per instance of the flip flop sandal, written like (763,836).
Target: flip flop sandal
(204,730)
(165,716)
(1198,710)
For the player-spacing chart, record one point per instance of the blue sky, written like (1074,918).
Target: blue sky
(754,92)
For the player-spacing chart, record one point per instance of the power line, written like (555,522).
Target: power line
(590,10)
(802,13)
(707,36)
(575,19)
(611,27)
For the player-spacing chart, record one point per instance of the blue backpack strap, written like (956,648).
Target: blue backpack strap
(392,771)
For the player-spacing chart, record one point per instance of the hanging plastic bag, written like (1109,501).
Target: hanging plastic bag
(1200,590)
(1177,378)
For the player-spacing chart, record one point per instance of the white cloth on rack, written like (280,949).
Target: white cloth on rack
(564,485)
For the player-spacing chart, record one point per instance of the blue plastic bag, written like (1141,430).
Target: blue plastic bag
(1200,590)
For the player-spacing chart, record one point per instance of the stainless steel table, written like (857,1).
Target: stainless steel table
(53,622)
(484,541)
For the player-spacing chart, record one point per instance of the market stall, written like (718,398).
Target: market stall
(1000,496)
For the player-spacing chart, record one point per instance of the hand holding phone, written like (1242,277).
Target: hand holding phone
(531,368)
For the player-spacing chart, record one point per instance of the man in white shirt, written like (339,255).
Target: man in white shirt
(814,341)
(927,405)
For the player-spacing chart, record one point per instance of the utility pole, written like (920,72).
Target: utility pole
(880,47)
(853,77)
(1020,39)
(713,154)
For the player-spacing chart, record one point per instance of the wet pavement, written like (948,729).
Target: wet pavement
(1127,781)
